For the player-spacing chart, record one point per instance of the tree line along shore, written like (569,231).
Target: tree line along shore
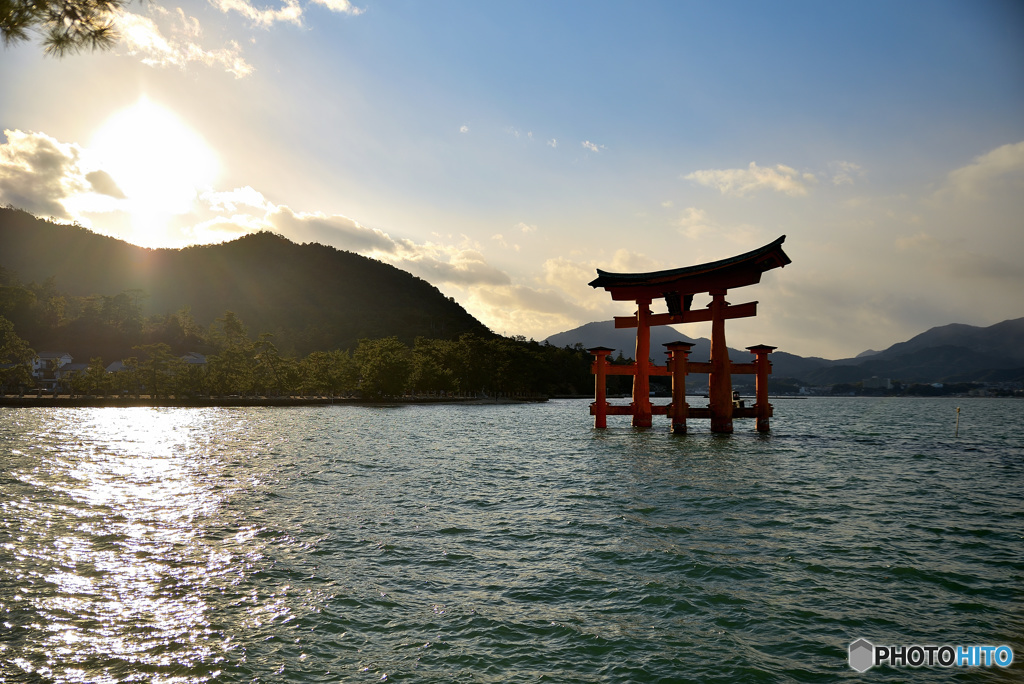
(239,370)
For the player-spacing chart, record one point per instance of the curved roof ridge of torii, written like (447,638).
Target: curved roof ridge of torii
(738,271)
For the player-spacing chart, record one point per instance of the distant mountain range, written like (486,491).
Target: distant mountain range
(949,353)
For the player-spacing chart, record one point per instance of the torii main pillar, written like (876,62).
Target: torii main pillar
(641,380)
(720,377)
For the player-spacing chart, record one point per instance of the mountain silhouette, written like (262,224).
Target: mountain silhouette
(949,353)
(312,295)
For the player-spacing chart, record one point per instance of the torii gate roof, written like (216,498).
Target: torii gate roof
(737,271)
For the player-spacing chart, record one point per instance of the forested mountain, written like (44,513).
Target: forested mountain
(623,340)
(1002,341)
(310,296)
(950,353)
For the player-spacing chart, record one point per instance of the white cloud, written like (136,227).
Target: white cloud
(464,129)
(780,178)
(290,12)
(985,171)
(696,225)
(232,199)
(553,143)
(340,6)
(141,36)
(844,172)
(528,299)
(520,309)
(693,222)
(568,276)
(593,147)
(336,230)
(440,264)
(175,41)
(626,261)
(526,228)
(39,174)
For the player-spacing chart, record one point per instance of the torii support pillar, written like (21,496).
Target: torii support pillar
(762,408)
(720,377)
(600,405)
(641,381)
(678,359)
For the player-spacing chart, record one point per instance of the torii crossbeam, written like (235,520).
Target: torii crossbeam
(677,287)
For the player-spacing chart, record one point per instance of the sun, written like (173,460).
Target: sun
(158,164)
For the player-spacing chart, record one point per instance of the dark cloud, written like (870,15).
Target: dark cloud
(102,183)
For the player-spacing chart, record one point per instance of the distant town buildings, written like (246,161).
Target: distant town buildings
(54,371)
(47,368)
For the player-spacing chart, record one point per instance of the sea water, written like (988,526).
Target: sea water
(506,543)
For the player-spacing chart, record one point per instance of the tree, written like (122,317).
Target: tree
(232,371)
(128,380)
(67,26)
(433,361)
(159,368)
(15,356)
(122,312)
(273,373)
(192,379)
(385,366)
(179,330)
(231,333)
(332,372)
(94,380)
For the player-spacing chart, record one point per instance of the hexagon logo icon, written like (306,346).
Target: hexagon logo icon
(862,655)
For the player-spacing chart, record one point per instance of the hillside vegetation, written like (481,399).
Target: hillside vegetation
(310,297)
(270,316)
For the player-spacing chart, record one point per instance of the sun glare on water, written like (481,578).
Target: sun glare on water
(158,164)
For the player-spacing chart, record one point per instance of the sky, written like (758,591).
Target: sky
(504,151)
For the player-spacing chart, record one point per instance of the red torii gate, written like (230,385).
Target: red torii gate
(677,287)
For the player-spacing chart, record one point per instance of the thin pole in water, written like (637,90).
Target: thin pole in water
(957,433)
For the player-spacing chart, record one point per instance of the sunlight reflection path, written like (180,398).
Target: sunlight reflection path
(122,562)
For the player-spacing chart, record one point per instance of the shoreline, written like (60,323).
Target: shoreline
(146,401)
